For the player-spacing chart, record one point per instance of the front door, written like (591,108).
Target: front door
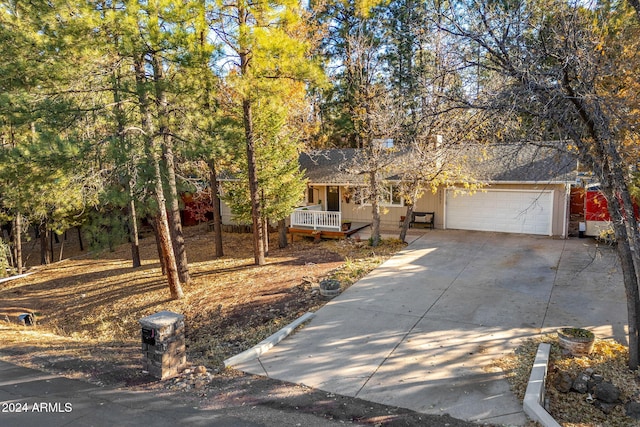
(333,198)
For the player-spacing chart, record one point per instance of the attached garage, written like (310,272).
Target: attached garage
(508,211)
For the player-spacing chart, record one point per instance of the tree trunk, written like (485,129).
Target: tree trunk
(375,209)
(154,225)
(164,236)
(133,230)
(256,211)
(630,277)
(162,222)
(45,237)
(252,167)
(625,227)
(265,236)
(282,234)
(407,222)
(611,174)
(631,250)
(620,206)
(173,207)
(61,250)
(17,242)
(80,238)
(133,219)
(215,202)
(175,222)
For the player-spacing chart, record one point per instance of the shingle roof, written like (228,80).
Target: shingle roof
(329,166)
(521,163)
(491,163)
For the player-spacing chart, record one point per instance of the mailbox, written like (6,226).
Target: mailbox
(163,344)
(149,336)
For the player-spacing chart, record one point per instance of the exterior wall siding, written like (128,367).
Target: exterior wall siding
(429,202)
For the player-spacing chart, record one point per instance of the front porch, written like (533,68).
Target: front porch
(313,221)
(327,233)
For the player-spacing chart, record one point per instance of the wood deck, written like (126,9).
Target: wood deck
(321,233)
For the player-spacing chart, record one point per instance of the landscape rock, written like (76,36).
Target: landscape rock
(581,383)
(605,407)
(200,370)
(563,382)
(607,392)
(633,410)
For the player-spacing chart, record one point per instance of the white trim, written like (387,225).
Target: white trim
(553,200)
(565,216)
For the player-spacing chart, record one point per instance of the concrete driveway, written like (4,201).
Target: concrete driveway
(421,331)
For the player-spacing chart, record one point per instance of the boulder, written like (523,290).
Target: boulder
(563,382)
(607,392)
(633,410)
(581,383)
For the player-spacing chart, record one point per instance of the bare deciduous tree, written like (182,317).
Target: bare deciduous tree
(559,71)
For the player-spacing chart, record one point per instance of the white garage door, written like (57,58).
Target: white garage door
(508,211)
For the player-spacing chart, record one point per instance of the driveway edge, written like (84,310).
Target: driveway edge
(534,396)
(266,344)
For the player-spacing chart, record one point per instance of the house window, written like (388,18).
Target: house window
(389,196)
(310,195)
(360,195)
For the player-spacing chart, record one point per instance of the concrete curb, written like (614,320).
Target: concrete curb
(264,345)
(17,276)
(534,396)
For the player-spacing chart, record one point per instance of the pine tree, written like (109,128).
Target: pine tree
(269,44)
(41,118)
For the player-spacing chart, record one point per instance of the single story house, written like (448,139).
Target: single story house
(527,190)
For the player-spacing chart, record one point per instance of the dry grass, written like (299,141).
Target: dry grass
(608,358)
(88,307)
(88,310)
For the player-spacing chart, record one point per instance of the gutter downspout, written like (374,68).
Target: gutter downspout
(567,197)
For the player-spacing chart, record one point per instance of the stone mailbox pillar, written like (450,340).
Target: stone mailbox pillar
(163,347)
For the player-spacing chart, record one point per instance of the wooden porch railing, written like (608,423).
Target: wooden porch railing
(310,217)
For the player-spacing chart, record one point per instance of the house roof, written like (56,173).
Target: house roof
(529,163)
(522,163)
(330,166)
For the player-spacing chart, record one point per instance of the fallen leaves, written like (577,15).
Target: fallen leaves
(230,305)
(609,359)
